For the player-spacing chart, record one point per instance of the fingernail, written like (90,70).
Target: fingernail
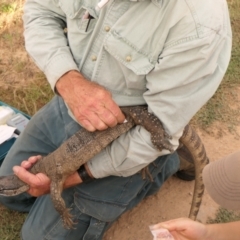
(125,121)
(15,169)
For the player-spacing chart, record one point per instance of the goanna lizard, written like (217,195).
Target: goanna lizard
(83,145)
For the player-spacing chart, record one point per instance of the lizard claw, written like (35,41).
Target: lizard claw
(67,219)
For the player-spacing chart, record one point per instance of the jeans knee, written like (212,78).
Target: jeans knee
(3,200)
(8,202)
(21,203)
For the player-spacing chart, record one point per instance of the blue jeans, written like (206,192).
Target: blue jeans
(94,205)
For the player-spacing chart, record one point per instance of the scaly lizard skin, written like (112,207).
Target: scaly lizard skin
(83,145)
(80,148)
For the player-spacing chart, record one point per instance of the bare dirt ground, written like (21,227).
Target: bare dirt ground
(174,199)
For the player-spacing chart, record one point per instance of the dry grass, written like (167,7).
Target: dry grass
(23,86)
(225,104)
(11,223)
(223,216)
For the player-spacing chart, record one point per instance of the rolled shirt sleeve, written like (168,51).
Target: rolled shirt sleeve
(127,155)
(45,40)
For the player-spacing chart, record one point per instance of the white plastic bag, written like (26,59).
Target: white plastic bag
(161,234)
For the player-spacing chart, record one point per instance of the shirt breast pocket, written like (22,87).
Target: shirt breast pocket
(80,15)
(134,63)
(79,25)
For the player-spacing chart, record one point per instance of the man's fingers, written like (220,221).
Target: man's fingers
(29,178)
(91,121)
(23,174)
(102,117)
(39,183)
(115,111)
(87,125)
(26,164)
(108,118)
(32,160)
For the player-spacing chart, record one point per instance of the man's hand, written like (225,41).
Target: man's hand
(91,104)
(39,183)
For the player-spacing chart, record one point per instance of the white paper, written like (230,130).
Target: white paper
(6,133)
(161,234)
(5,114)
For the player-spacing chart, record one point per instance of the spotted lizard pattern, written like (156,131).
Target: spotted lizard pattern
(83,145)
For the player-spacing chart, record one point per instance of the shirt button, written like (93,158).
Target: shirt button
(128,58)
(94,58)
(107,28)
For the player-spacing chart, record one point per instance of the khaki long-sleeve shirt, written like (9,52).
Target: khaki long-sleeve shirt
(168,54)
